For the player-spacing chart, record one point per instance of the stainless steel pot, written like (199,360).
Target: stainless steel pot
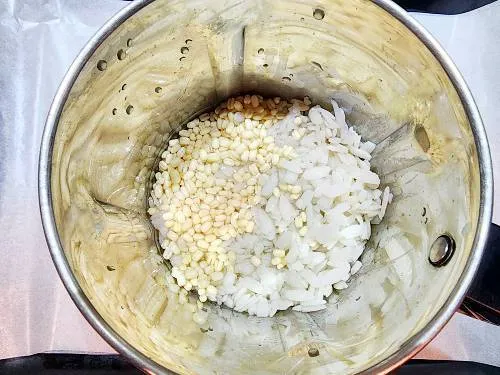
(157,64)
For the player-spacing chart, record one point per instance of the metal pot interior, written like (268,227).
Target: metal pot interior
(172,60)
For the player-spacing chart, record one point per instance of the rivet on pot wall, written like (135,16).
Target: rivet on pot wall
(442,250)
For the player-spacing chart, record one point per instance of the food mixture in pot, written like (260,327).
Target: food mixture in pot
(265,205)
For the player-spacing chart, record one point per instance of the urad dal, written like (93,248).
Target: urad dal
(263,205)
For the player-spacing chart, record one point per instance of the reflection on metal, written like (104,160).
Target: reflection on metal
(377,62)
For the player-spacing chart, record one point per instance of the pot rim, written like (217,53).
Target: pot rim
(409,348)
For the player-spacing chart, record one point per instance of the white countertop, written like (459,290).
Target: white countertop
(38,41)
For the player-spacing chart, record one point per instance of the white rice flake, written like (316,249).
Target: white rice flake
(356,266)
(312,219)
(316,173)
(386,198)
(270,183)
(264,224)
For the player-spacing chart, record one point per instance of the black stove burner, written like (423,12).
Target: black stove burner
(113,364)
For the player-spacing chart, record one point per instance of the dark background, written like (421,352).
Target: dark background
(442,6)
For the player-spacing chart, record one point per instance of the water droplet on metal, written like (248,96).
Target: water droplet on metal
(184,50)
(158,89)
(102,65)
(113,111)
(313,352)
(124,86)
(319,14)
(129,42)
(187,41)
(129,109)
(442,250)
(121,54)
(260,51)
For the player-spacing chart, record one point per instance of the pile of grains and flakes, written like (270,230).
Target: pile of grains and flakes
(265,205)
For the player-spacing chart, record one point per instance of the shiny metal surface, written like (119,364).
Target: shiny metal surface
(46,208)
(410,347)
